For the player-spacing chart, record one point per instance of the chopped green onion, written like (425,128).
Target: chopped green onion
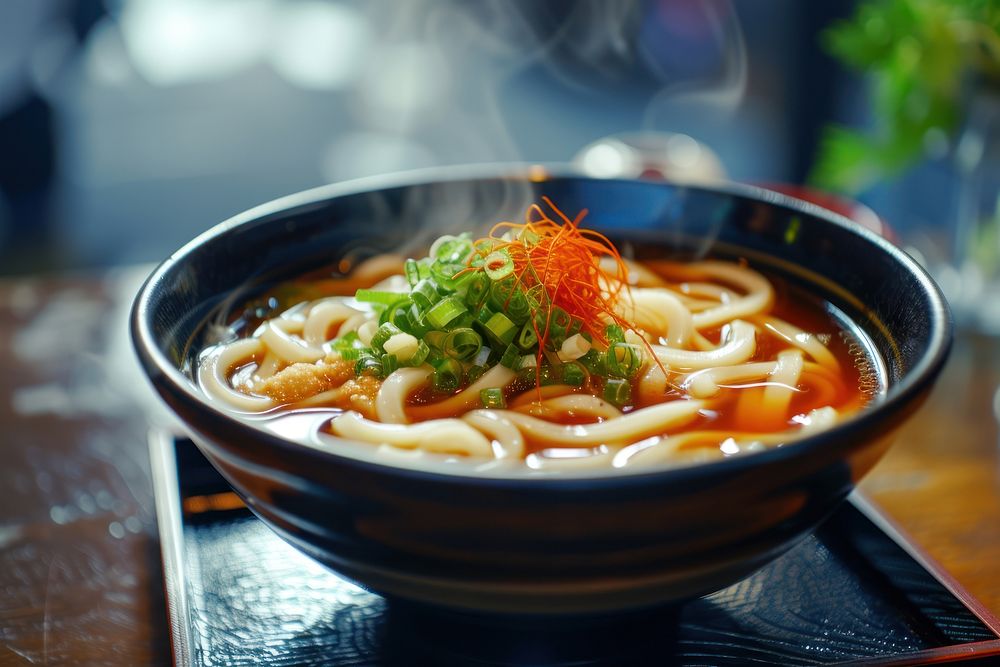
(419,355)
(624,359)
(484,314)
(378,296)
(452,248)
(614,334)
(501,329)
(527,339)
(498,265)
(418,326)
(511,357)
(346,342)
(573,374)
(594,362)
(479,285)
(368,364)
(390,362)
(445,273)
(425,294)
(462,344)
(492,398)
(412,271)
(617,391)
(463,321)
(436,339)
(447,375)
(505,295)
(557,323)
(528,361)
(474,373)
(518,309)
(350,354)
(382,334)
(444,311)
(574,328)
(546,376)
(397,313)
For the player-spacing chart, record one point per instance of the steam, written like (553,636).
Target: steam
(432,91)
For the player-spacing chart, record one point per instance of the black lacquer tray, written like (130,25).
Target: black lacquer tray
(855,592)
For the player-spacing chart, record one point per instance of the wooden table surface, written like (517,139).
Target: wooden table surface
(80,578)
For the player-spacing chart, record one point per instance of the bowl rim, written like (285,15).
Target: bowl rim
(156,365)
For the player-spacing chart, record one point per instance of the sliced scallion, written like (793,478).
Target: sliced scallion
(425,294)
(511,357)
(492,398)
(390,362)
(501,329)
(444,311)
(479,285)
(623,359)
(614,334)
(368,364)
(378,296)
(617,391)
(527,339)
(573,374)
(498,265)
(462,344)
(412,271)
(447,375)
(419,355)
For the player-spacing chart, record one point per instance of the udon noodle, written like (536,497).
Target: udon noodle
(540,347)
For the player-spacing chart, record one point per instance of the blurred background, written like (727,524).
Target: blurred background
(129,126)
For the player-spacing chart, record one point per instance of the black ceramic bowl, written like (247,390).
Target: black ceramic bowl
(544,545)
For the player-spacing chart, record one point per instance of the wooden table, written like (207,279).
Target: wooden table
(80,575)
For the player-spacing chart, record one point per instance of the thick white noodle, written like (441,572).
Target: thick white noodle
(659,312)
(737,348)
(390,404)
(666,449)
(268,366)
(653,384)
(782,382)
(663,449)
(498,376)
(708,382)
(806,342)
(758,293)
(444,436)
(599,458)
(277,335)
(578,404)
(217,366)
(623,430)
(494,424)
(352,323)
(323,316)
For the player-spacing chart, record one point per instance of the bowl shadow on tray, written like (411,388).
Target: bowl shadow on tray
(406,531)
(414,633)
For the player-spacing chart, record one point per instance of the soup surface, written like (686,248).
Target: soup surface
(539,347)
